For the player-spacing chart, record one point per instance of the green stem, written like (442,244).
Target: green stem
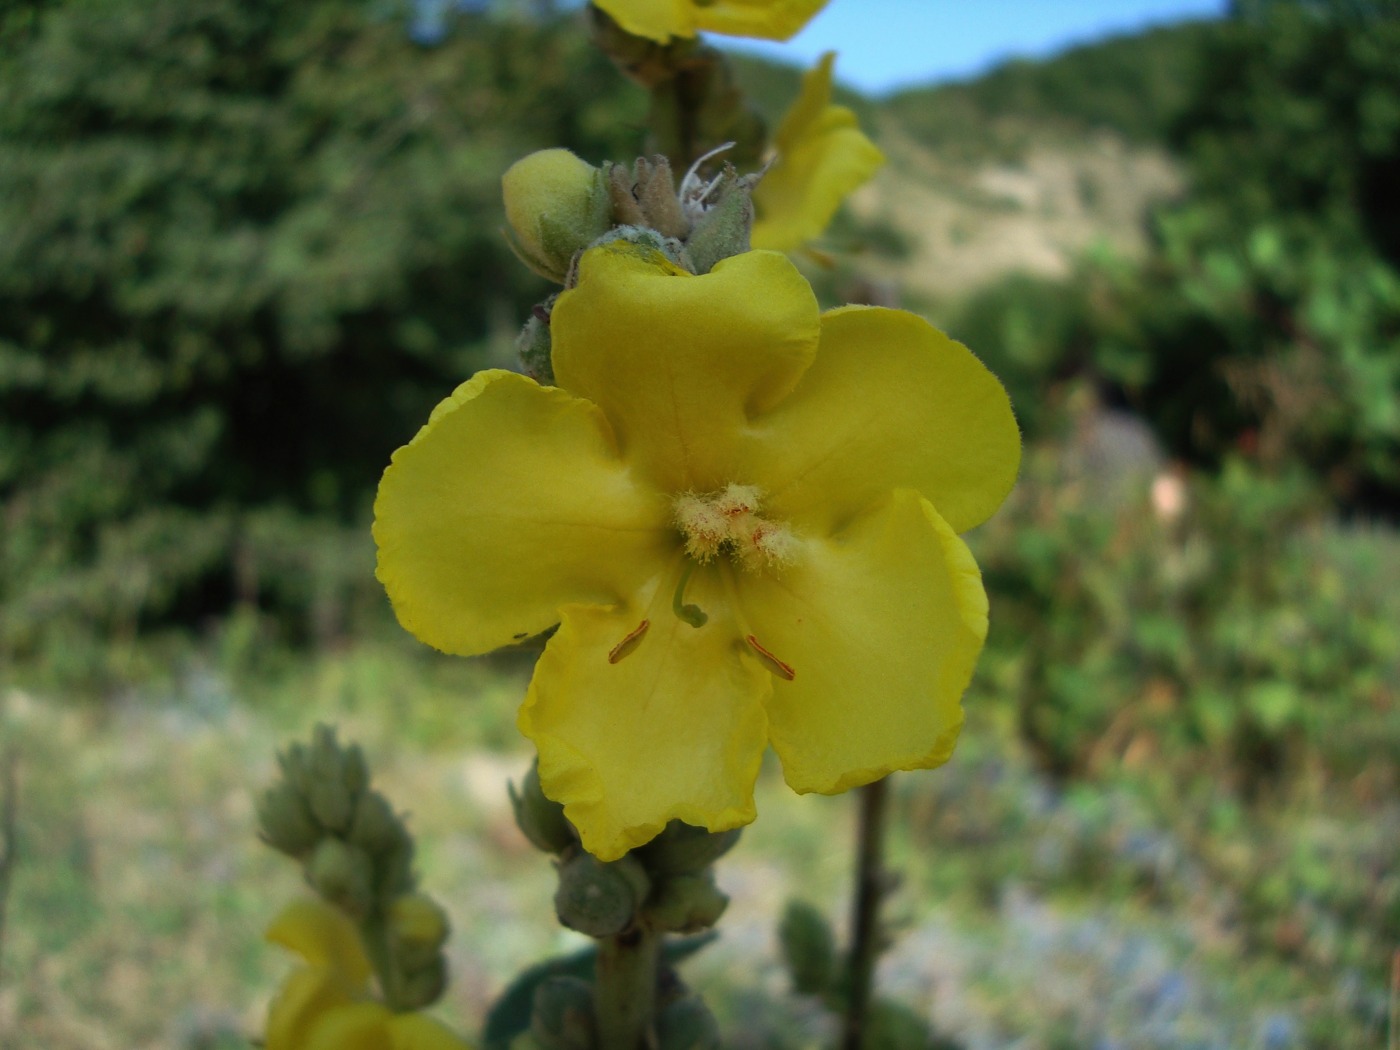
(865,915)
(624,989)
(374,934)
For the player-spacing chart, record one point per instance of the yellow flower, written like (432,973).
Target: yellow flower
(822,155)
(717,449)
(660,20)
(326,1005)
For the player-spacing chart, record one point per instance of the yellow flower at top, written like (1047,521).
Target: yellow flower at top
(822,155)
(661,20)
(742,513)
(325,1004)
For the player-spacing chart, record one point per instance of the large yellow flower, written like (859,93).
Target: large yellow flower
(325,1005)
(716,449)
(822,155)
(660,20)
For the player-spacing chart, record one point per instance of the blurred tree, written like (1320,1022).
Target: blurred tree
(244,248)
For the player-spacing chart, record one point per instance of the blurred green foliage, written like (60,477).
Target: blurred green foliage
(244,249)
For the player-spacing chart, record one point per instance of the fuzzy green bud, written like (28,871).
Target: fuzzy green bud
(562,1016)
(725,227)
(375,828)
(809,949)
(342,874)
(599,899)
(540,818)
(687,903)
(285,820)
(418,928)
(682,849)
(535,346)
(333,780)
(424,986)
(556,205)
(687,1024)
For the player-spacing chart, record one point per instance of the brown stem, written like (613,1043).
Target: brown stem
(865,914)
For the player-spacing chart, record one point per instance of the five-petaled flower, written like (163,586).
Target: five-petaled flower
(742,513)
(661,20)
(821,155)
(326,1005)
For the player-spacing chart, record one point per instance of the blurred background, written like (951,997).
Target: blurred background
(246,246)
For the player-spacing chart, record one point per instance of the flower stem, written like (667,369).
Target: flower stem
(624,989)
(865,913)
(374,935)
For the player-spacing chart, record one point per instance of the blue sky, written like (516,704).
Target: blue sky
(887,44)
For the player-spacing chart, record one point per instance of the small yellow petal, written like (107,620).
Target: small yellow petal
(510,502)
(417,1032)
(667,727)
(822,155)
(890,402)
(304,1000)
(679,362)
(660,20)
(324,937)
(880,626)
(359,1026)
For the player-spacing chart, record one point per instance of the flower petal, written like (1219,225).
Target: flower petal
(324,937)
(822,156)
(417,1032)
(764,19)
(672,730)
(359,1026)
(881,625)
(678,362)
(306,998)
(890,402)
(510,502)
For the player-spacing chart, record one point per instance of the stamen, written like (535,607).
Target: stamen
(782,670)
(629,643)
(691,614)
(692,177)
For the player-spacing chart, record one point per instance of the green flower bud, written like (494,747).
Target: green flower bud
(687,903)
(809,949)
(418,928)
(562,1017)
(726,225)
(285,821)
(294,767)
(342,874)
(687,1024)
(375,828)
(331,780)
(599,899)
(536,348)
(540,818)
(556,205)
(423,987)
(681,849)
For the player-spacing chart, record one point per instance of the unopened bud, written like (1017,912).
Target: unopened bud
(286,822)
(556,205)
(341,873)
(535,346)
(375,828)
(418,928)
(540,818)
(687,903)
(682,849)
(808,948)
(599,899)
(562,1017)
(330,781)
(423,987)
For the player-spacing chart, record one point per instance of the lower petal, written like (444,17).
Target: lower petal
(416,1032)
(635,730)
(306,998)
(324,937)
(880,626)
(359,1026)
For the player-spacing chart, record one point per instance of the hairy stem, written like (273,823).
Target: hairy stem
(865,914)
(624,991)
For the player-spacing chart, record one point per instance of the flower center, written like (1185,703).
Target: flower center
(729,522)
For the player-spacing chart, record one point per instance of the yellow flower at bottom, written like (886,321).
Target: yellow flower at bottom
(326,1005)
(660,20)
(743,516)
(822,155)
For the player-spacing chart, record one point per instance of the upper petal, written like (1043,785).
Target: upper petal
(764,19)
(881,625)
(672,730)
(679,362)
(324,937)
(822,156)
(658,20)
(510,502)
(890,402)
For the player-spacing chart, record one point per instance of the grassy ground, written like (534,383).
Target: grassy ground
(1111,916)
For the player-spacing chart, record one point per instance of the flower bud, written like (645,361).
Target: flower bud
(418,928)
(808,948)
(286,822)
(599,899)
(562,1017)
(556,205)
(331,779)
(342,873)
(536,349)
(540,818)
(682,849)
(687,1024)
(687,903)
(375,828)
(424,986)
